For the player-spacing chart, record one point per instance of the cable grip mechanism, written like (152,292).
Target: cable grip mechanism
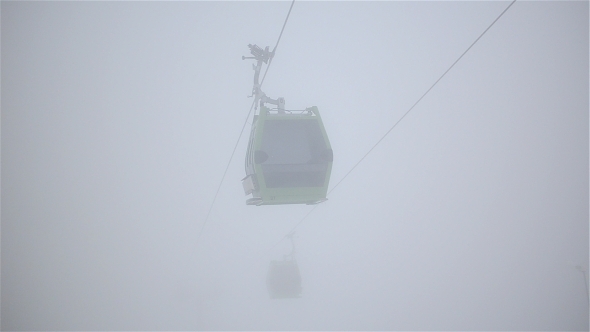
(262,56)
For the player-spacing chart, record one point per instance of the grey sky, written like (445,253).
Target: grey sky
(118,119)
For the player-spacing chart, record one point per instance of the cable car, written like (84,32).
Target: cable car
(289,157)
(283,280)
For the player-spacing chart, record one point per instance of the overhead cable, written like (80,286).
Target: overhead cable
(243,127)
(403,116)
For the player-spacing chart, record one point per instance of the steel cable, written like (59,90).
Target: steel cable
(243,127)
(400,119)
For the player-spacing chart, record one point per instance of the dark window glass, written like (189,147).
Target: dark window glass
(296,154)
(292,141)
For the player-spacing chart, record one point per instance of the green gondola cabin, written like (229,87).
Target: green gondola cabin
(289,158)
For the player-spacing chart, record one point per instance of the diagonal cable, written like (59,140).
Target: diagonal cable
(403,116)
(422,97)
(277,44)
(225,172)
(242,131)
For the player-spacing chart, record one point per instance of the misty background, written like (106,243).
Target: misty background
(119,118)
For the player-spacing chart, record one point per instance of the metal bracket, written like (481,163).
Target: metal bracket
(261,56)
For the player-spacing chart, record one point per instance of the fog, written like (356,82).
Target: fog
(119,119)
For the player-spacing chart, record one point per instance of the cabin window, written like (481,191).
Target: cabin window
(296,153)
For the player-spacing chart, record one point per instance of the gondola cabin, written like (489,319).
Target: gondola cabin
(289,158)
(283,280)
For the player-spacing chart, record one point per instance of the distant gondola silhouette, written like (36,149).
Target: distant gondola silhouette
(284,280)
